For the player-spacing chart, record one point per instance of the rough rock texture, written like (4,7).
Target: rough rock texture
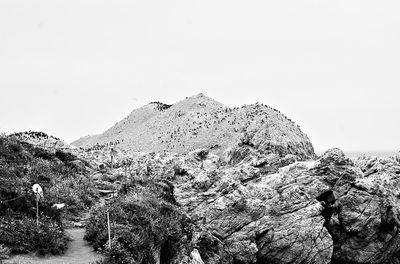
(365,226)
(330,210)
(201,122)
(267,218)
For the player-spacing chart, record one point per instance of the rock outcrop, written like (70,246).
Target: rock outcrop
(365,227)
(329,210)
(256,217)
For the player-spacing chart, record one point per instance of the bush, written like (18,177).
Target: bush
(64,156)
(21,234)
(146,224)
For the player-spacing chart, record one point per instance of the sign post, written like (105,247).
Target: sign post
(37,210)
(109,228)
(38,191)
(108,200)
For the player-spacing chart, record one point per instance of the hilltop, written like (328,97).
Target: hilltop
(201,122)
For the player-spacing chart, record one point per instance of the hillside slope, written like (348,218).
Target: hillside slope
(201,122)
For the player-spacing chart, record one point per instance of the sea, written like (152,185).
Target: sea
(355,154)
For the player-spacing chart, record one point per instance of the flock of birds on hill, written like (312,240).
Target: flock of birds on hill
(232,120)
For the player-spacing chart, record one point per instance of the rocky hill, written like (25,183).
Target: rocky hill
(201,122)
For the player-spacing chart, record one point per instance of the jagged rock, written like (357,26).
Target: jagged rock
(267,160)
(258,219)
(237,154)
(308,212)
(365,226)
(195,257)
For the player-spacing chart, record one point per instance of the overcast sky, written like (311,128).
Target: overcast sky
(73,68)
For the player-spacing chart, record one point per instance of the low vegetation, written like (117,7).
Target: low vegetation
(62,180)
(146,225)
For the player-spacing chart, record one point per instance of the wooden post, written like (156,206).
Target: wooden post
(109,229)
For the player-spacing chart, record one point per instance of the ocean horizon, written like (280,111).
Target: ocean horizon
(355,154)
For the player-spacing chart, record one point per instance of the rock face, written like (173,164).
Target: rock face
(275,209)
(365,226)
(201,122)
(255,217)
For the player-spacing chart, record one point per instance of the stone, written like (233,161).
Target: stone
(202,181)
(195,257)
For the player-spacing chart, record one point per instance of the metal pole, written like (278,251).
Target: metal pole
(37,210)
(109,229)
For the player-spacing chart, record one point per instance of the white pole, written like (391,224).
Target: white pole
(109,229)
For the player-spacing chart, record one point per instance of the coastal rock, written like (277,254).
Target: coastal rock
(365,226)
(269,218)
(331,210)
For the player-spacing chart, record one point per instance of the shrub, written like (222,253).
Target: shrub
(146,224)
(21,234)
(64,156)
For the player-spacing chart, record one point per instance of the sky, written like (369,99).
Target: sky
(73,68)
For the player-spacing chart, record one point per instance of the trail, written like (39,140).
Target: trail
(79,252)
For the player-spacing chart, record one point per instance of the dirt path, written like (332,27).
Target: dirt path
(78,253)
